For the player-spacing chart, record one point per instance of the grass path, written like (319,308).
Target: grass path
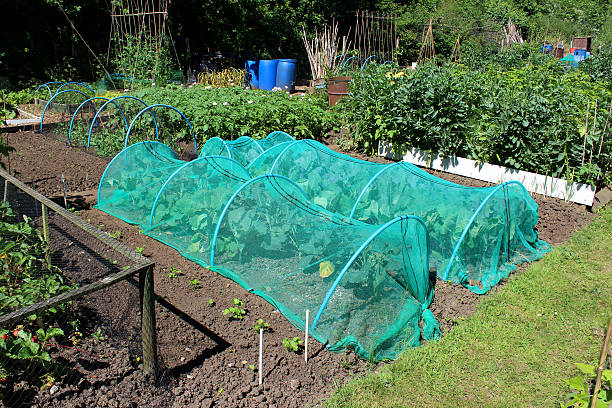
(518,346)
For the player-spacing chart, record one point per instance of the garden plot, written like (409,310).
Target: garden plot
(557,221)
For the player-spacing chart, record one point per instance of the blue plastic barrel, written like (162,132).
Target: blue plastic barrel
(267,74)
(285,74)
(252,75)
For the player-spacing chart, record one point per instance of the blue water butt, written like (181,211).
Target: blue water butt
(267,74)
(252,73)
(285,74)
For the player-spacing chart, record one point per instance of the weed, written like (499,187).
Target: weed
(292,345)
(194,283)
(237,312)
(211,302)
(174,273)
(115,234)
(140,250)
(260,324)
(98,335)
(582,398)
(252,367)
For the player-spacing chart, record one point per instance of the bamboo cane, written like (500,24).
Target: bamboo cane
(600,368)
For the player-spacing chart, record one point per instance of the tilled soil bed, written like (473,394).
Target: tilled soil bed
(206,356)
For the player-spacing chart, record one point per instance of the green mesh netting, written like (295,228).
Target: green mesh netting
(478,235)
(308,228)
(244,149)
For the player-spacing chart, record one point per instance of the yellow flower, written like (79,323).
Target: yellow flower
(398,74)
(392,82)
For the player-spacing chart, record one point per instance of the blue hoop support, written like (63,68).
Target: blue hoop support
(222,141)
(347,60)
(160,105)
(346,267)
(83,104)
(235,142)
(367,59)
(258,178)
(264,152)
(163,187)
(112,100)
(363,190)
(282,153)
(122,153)
(278,133)
(42,117)
(75,83)
(471,221)
(46,85)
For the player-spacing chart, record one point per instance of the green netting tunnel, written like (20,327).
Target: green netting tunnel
(308,228)
(244,149)
(478,235)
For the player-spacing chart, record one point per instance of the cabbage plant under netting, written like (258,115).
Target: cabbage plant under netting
(347,239)
(478,235)
(367,286)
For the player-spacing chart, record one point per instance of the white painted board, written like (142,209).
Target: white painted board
(533,182)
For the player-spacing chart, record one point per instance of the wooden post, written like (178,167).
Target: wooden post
(5,196)
(149,334)
(45,222)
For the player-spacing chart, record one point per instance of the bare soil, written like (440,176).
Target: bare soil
(206,357)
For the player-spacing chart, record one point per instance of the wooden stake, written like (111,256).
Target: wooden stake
(593,131)
(602,360)
(603,133)
(260,356)
(586,129)
(64,185)
(147,315)
(306,338)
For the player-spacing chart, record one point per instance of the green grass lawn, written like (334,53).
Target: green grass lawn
(519,345)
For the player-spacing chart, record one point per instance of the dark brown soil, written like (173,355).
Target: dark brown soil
(206,356)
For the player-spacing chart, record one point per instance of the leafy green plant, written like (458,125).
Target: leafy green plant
(499,113)
(236,312)
(211,302)
(194,284)
(23,345)
(98,335)
(292,344)
(174,273)
(5,150)
(582,397)
(252,367)
(260,324)
(140,250)
(115,234)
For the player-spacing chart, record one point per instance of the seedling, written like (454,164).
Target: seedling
(98,335)
(252,367)
(260,324)
(140,250)
(174,273)
(236,311)
(194,283)
(115,234)
(211,302)
(292,345)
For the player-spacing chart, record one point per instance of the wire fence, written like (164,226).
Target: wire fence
(77,308)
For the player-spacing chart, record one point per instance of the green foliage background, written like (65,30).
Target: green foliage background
(37,42)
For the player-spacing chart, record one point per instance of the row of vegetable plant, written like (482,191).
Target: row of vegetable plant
(531,116)
(27,277)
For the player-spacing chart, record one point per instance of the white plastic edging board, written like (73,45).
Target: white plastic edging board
(535,183)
